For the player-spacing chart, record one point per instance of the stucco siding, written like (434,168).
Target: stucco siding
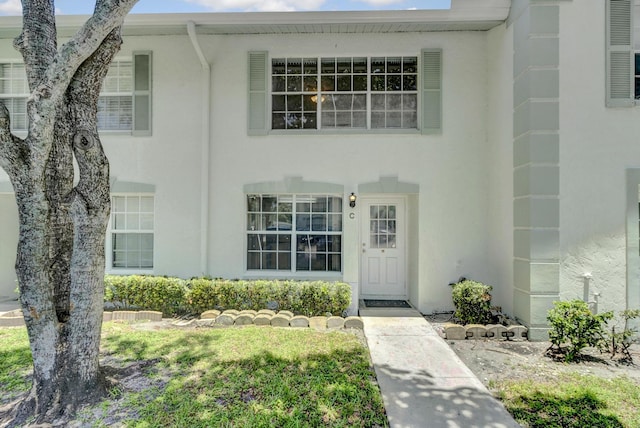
(598,145)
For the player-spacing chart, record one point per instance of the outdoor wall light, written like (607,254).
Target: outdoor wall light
(352,200)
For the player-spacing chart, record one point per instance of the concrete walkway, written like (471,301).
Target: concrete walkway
(423,382)
(8,304)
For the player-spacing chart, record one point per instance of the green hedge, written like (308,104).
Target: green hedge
(153,293)
(308,298)
(174,296)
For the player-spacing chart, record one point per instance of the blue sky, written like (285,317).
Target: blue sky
(12,7)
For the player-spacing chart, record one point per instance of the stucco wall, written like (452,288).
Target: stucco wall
(170,158)
(457,216)
(597,145)
(450,169)
(500,140)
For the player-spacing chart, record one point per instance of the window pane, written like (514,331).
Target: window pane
(319,222)
(270,260)
(278,83)
(328,83)
(253,203)
(131,247)
(310,83)
(269,203)
(133,221)
(253,261)
(319,204)
(303,222)
(319,262)
(146,221)
(284,261)
(253,242)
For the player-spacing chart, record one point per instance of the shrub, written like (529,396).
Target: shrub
(154,293)
(300,297)
(472,301)
(620,341)
(573,325)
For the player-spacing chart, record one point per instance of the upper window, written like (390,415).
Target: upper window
(115,102)
(132,224)
(14,92)
(124,103)
(292,233)
(344,93)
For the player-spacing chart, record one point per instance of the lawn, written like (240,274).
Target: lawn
(223,377)
(573,400)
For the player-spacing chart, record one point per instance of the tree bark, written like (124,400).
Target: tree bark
(60,258)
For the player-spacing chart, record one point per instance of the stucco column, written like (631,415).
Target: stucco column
(536,172)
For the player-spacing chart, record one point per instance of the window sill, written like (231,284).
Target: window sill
(297,132)
(128,271)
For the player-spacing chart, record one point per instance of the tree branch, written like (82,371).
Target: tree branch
(83,96)
(50,91)
(13,152)
(39,31)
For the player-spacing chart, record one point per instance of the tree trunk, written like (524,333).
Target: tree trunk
(60,259)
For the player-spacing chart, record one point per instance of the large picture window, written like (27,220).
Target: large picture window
(344,93)
(132,225)
(292,232)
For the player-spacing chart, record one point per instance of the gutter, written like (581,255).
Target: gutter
(204,149)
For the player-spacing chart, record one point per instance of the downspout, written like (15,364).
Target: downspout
(204,149)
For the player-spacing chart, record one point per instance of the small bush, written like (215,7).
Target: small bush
(154,293)
(573,325)
(619,341)
(472,301)
(300,297)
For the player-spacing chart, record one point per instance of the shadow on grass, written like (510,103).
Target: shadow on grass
(217,381)
(547,410)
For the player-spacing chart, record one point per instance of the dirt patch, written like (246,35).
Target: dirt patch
(493,361)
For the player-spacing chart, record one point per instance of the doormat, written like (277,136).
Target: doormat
(386,303)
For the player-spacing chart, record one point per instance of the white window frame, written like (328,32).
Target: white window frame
(293,234)
(16,96)
(327,95)
(139,106)
(109,250)
(124,89)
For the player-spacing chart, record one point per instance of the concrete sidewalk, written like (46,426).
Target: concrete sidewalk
(423,382)
(8,304)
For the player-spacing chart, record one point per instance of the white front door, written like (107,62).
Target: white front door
(383,248)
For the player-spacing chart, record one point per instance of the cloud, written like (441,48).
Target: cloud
(259,5)
(10,7)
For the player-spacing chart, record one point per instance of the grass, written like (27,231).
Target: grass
(231,377)
(573,401)
(15,363)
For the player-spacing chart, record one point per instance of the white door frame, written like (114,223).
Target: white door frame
(402,228)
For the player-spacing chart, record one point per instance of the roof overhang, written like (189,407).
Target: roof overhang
(464,15)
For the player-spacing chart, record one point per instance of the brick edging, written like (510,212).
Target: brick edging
(229,317)
(490,331)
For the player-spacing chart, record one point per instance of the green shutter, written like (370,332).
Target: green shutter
(142,64)
(257,122)
(431,91)
(620,55)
